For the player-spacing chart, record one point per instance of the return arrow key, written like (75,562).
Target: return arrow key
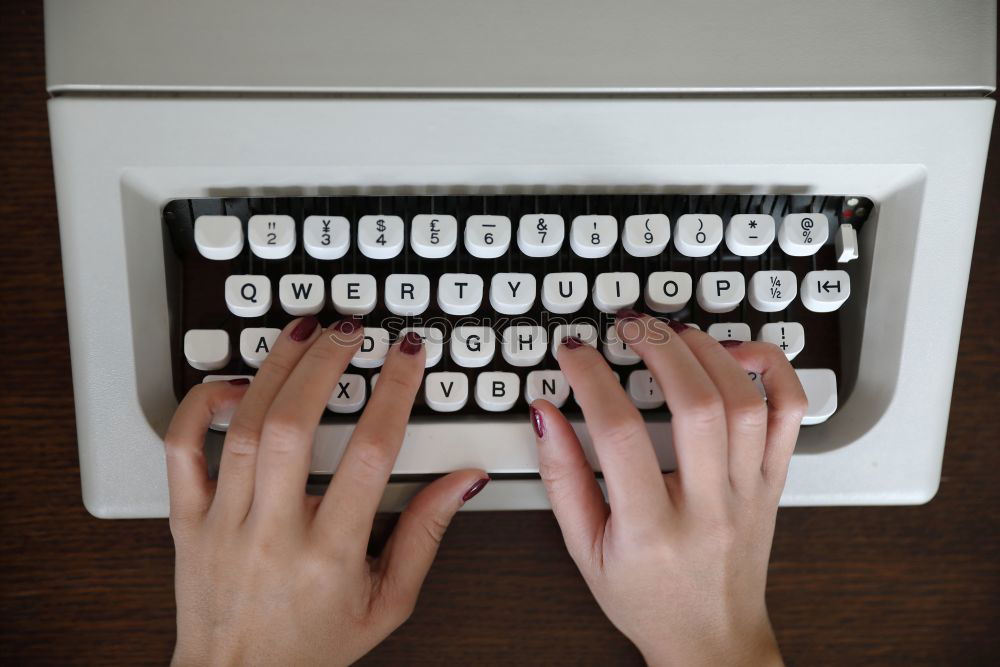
(825,291)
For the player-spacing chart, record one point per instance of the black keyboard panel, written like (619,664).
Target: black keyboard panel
(196,285)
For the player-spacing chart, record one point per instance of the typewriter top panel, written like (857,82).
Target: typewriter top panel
(561,46)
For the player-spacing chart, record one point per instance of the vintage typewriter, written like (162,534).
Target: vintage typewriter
(496,179)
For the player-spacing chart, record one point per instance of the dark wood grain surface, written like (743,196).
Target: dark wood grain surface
(908,585)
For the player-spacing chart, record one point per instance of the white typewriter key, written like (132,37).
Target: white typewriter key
(646,235)
(256,344)
(472,347)
(697,234)
(353,293)
(487,236)
(512,293)
(644,391)
(585,332)
(374,347)
(446,392)
(721,291)
(374,380)
(617,351)
(459,293)
(407,294)
(772,291)
(825,291)
(550,385)
(271,236)
(820,385)
(790,337)
(433,236)
(301,294)
(540,234)
(564,293)
(326,237)
(433,338)
(749,235)
(348,395)
(523,345)
(668,291)
(729,331)
(802,234)
(206,349)
(218,236)
(223,417)
(497,392)
(593,236)
(248,296)
(846,243)
(614,291)
(380,236)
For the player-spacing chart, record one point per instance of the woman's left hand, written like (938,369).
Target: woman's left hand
(266,574)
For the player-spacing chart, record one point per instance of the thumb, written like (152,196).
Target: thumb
(411,549)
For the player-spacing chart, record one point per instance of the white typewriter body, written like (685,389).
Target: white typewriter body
(157,101)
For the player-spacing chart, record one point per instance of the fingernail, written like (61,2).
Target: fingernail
(731,343)
(240,381)
(679,327)
(348,325)
(572,342)
(411,343)
(475,488)
(304,328)
(537,422)
(627,314)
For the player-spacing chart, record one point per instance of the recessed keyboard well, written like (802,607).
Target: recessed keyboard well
(493,281)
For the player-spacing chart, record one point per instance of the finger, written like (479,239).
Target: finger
(631,470)
(697,414)
(237,466)
(786,405)
(414,543)
(576,498)
(351,500)
(746,413)
(290,425)
(187,475)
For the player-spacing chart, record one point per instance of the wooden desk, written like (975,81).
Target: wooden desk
(908,585)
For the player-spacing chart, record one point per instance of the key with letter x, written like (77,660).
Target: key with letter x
(349,394)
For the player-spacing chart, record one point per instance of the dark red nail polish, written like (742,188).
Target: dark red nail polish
(537,422)
(348,325)
(627,314)
(240,381)
(411,343)
(731,343)
(304,328)
(679,327)
(572,342)
(475,488)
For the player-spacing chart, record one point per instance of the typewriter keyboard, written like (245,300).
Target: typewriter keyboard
(493,283)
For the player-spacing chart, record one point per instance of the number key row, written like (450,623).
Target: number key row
(220,237)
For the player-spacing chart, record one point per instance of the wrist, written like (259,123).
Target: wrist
(756,647)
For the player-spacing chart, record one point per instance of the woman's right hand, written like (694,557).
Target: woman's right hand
(678,561)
